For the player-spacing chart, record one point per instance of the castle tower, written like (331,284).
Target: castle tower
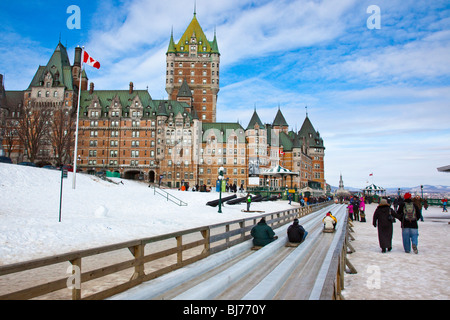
(193,63)
(315,148)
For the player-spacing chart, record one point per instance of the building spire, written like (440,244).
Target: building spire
(195,8)
(306,108)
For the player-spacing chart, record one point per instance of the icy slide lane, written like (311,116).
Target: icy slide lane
(240,273)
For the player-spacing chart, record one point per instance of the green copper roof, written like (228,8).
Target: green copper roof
(313,138)
(150,108)
(224,130)
(285,141)
(255,120)
(171,48)
(59,67)
(280,121)
(106,98)
(184,91)
(193,30)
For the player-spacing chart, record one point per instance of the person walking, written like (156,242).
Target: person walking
(350,211)
(382,219)
(418,202)
(249,201)
(296,233)
(356,208)
(262,234)
(408,213)
(362,209)
(425,204)
(396,203)
(444,205)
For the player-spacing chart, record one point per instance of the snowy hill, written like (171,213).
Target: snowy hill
(94,214)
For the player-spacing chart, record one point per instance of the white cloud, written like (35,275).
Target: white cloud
(420,60)
(20,58)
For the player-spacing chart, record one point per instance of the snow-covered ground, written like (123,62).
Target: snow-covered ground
(98,213)
(95,213)
(397,275)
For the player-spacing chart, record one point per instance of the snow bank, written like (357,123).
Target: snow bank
(96,213)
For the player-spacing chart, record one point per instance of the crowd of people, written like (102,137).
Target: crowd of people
(356,209)
(406,209)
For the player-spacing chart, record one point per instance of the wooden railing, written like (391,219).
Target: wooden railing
(150,258)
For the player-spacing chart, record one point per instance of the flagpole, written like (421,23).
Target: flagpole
(78,117)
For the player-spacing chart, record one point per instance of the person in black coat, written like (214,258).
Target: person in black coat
(382,218)
(296,233)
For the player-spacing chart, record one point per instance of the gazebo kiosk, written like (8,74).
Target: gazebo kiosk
(277,172)
(373,190)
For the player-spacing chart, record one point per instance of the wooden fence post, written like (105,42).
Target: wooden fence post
(206,235)
(180,249)
(138,253)
(76,288)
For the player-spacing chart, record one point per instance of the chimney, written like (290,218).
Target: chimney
(304,145)
(77,60)
(91,88)
(131,87)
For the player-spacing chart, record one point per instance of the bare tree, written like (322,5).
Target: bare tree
(32,127)
(62,134)
(9,134)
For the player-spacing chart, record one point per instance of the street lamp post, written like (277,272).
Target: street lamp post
(221,169)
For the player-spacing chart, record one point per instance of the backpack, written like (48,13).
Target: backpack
(409,212)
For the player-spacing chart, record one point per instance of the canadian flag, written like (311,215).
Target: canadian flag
(371,174)
(90,61)
(280,152)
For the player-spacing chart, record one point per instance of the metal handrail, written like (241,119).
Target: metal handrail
(169,197)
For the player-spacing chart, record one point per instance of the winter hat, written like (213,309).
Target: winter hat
(407,195)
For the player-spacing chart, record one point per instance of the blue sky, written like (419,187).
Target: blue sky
(380,98)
